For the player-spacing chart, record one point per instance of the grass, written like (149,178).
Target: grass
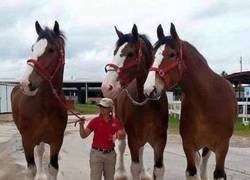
(173,125)
(86,108)
(239,128)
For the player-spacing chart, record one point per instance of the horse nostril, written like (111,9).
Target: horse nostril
(110,87)
(31,87)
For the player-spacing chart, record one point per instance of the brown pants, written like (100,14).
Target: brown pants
(102,163)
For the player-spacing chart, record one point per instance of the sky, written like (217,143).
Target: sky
(219,29)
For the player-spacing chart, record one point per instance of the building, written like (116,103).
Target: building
(82,91)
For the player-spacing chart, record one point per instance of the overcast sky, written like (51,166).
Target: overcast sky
(219,29)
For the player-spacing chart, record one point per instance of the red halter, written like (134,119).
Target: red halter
(43,71)
(178,65)
(122,70)
(49,77)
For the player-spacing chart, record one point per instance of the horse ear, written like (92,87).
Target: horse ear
(56,28)
(135,31)
(160,32)
(38,28)
(119,33)
(173,32)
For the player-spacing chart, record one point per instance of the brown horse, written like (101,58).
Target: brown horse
(37,113)
(145,121)
(208,106)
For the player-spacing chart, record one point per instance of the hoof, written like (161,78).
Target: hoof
(145,176)
(41,177)
(120,176)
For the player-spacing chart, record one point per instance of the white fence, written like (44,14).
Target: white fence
(175,109)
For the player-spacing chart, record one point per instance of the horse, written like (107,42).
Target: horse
(37,112)
(208,107)
(144,120)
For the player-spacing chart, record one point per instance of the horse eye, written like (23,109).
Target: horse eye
(172,55)
(51,50)
(130,54)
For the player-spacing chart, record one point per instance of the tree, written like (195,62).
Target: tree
(224,74)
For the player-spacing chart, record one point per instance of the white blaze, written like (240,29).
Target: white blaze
(38,50)
(112,76)
(151,79)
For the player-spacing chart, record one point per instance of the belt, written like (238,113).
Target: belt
(103,150)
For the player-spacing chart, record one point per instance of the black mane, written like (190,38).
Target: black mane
(171,42)
(166,40)
(50,35)
(131,39)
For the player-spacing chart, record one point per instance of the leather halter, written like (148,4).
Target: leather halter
(122,70)
(176,65)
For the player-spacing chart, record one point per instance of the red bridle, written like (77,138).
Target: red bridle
(178,65)
(49,76)
(43,71)
(122,70)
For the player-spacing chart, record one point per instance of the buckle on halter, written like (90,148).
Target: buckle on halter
(161,73)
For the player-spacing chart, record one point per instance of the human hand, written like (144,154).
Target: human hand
(81,121)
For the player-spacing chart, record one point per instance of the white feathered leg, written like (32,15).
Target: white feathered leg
(39,152)
(204,166)
(144,175)
(120,173)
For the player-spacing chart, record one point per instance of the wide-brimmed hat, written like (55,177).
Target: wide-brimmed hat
(106,102)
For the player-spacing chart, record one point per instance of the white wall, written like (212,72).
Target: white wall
(5,102)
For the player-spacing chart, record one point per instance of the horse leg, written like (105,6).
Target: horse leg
(29,155)
(143,174)
(220,155)
(135,167)
(120,173)
(193,161)
(53,165)
(205,156)
(39,151)
(158,173)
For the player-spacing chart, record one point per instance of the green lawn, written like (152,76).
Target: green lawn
(86,108)
(173,126)
(239,128)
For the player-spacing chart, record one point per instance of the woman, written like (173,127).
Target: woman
(106,129)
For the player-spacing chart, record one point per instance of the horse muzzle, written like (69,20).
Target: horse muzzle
(28,89)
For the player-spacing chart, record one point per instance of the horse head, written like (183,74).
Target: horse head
(128,62)
(47,58)
(168,65)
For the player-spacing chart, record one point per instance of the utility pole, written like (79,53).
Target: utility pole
(240,63)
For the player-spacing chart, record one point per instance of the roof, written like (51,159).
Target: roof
(239,78)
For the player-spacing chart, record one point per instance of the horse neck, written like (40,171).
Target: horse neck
(57,83)
(196,77)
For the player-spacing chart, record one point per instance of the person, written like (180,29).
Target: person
(106,129)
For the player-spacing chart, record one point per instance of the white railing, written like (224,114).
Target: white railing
(175,109)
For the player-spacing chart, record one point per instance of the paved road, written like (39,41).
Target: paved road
(75,154)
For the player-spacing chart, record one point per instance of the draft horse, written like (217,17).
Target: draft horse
(37,113)
(208,108)
(145,121)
